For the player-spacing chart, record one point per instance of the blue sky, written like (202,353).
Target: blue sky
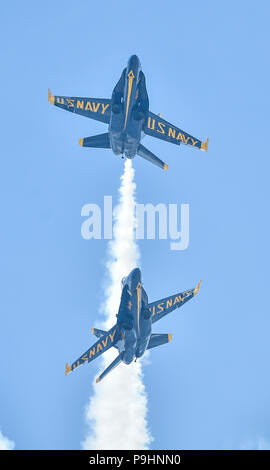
(207,71)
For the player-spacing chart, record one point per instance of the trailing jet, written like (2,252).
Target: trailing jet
(128,116)
(132,333)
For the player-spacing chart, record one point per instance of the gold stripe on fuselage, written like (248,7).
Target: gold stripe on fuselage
(139,292)
(131,77)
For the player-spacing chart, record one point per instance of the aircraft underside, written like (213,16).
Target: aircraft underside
(128,118)
(132,334)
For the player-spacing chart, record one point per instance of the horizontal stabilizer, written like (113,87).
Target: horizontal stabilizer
(101,141)
(147,155)
(114,364)
(158,340)
(98,333)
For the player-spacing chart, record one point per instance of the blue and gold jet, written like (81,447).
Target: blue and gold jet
(128,116)
(132,333)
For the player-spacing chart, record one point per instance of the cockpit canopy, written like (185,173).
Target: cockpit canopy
(123,282)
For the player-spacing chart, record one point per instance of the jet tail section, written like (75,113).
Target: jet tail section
(158,340)
(147,155)
(114,364)
(101,141)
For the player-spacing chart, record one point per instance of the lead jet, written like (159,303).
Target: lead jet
(132,333)
(128,117)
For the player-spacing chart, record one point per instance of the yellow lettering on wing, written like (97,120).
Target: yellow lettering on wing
(84,358)
(111,335)
(161,127)
(176,299)
(169,303)
(194,142)
(151,123)
(95,106)
(60,100)
(80,104)
(171,132)
(99,347)
(92,352)
(105,342)
(104,107)
(160,306)
(154,311)
(88,106)
(70,103)
(180,136)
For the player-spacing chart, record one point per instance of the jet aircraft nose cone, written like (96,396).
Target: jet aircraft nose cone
(135,277)
(134,62)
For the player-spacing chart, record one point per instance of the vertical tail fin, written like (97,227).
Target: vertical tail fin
(114,364)
(158,340)
(96,141)
(147,155)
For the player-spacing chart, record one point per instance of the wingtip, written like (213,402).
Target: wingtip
(169,337)
(50,97)
(197,288)
(81,142)
(97,380)
(68,369)
(93,331)
(165,166)
(204,145)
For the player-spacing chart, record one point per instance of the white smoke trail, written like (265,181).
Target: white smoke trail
(116,413)
(5,443)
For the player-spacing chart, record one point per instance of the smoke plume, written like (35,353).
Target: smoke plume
(116,413)
(5,443)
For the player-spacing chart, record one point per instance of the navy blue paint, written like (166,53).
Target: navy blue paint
(128,117)
(132,333)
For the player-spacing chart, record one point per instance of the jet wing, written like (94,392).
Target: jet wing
(104,343)
(158,127)
(94,108)
(162,307)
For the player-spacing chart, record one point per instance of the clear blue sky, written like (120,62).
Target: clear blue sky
(207,70)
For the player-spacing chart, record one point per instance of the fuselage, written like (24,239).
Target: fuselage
(129,108)
(134,319)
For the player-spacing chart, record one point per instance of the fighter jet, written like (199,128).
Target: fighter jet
(128,117)
(132,333)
